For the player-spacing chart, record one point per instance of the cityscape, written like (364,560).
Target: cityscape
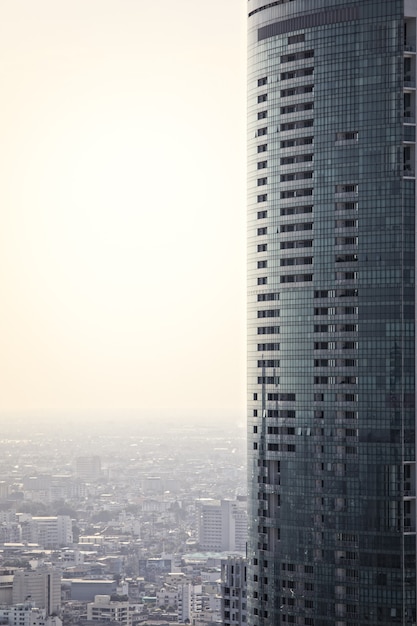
(128,522)
(141,482)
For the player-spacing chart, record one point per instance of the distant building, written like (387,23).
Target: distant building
(233,592)
(86,590)
(222,525)
(189,603)
(4,489)
(41,586)
(53,532)
(105,609)
(6,585)
(27,614)
(10,532)
(88,467)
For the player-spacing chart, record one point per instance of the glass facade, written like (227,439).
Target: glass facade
(331,351)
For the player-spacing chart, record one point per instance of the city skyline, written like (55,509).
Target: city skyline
(122,245)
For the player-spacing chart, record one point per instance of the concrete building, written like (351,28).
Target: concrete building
(222,525)
(104,609)
(88,467)
(49,532)
(233,592)
(41,586)
(331,312)
(85,590)
(189,603)
(27,614)
(6,585)
(54,531)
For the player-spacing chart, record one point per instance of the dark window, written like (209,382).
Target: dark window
(346,206)
(268,330)
(295,125)
(304,71)
(269,313)
(268,347)
(296,38)
(299,158)
(297,210)
(296,176)
(302,260)
(268,380)
(268,363)
(347,136)
(299,141)
(295,91)
(296,56)
(263,297)
(347,188)
(296,278)
(296,193)
(299,243)
(295,108)
(288,228)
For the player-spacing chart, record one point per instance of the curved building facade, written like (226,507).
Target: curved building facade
(331,264)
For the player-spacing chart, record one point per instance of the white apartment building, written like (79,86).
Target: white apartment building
(167,598)
(53,532)
(189,603)
(222,525)
(105,609)
(50,532)
(27,614)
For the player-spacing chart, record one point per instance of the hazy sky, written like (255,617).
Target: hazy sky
(122,205)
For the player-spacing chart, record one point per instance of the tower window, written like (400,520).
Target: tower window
(296,38)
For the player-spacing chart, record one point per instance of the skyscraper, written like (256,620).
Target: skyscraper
(331,365)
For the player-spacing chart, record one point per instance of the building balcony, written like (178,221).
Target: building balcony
(410,529)
(409,117)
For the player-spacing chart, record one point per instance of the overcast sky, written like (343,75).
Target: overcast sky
(122,206)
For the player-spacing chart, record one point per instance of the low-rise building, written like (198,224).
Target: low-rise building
(105,609)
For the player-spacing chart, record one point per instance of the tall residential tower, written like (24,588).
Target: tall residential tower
(331,366)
